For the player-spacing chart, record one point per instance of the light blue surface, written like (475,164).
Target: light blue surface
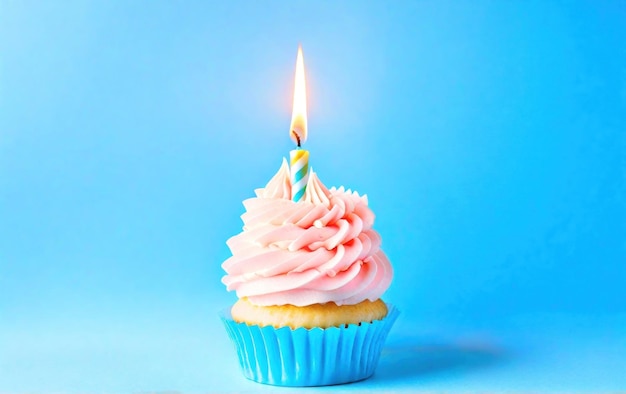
(490,138)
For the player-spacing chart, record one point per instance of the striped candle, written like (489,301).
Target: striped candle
(299,160)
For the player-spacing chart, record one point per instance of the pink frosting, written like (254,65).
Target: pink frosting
(318,250)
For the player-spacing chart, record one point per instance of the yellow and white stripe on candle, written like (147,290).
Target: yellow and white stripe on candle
(299,162)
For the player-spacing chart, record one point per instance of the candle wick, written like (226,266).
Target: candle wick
(297,137)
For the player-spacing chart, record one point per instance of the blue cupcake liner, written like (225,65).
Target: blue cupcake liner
(309,357)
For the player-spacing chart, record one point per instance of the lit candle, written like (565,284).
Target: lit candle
(299,158)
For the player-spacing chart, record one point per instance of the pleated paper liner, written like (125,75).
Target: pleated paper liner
(309,357)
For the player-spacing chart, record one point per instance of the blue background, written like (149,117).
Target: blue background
(490,138)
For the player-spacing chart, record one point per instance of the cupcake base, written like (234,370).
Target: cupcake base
(309,357)
(310,316)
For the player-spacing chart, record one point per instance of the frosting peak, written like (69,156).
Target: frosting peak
(318,250)
(279,186)
(316,192)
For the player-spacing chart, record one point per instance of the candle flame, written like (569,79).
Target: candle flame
(298,128)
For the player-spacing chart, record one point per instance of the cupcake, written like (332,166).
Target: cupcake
(308,276)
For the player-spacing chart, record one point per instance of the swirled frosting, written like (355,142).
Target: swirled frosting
(318,250)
